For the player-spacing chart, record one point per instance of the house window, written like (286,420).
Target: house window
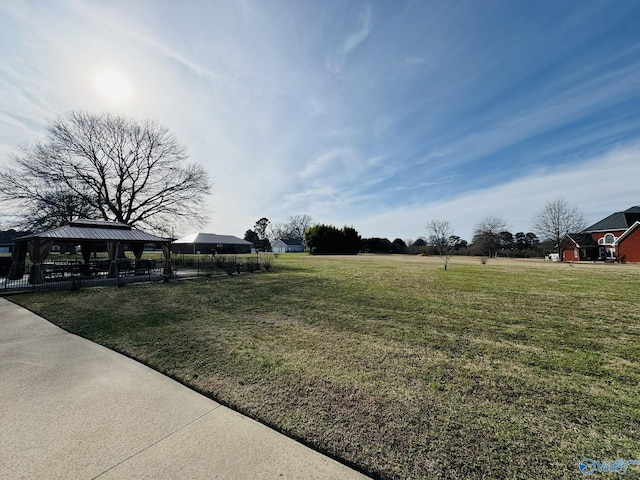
(601,241)
(609,239)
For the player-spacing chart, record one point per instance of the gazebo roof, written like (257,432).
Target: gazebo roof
(97,230)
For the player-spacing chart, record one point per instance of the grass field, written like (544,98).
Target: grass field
(504,370)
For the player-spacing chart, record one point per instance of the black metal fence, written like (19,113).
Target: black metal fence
(75,275)
(218,264)
(72,275)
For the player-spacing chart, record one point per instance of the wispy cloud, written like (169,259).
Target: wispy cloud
(422,185)
(106,18)
(335,61)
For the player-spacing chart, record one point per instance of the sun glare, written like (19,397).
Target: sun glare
(112,85)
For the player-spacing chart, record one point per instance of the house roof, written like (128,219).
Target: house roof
(97,230)
(211,238)
(616,221)
(291,241)
(582,240)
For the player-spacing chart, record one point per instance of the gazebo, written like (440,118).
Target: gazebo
(88,234)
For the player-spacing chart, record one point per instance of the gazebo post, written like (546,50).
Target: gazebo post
(166,250)
(18,258)
(85,248)
(38,252)
(112,251)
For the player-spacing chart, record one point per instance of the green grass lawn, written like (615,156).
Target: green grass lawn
(503,370)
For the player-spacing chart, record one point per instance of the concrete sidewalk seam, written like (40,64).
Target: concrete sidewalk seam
(157,442)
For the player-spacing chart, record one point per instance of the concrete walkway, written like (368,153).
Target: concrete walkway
(71,409)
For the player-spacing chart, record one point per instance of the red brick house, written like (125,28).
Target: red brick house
(613,239)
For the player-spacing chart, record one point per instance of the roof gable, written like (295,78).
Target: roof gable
(291,241)
(626,234)
(582,240)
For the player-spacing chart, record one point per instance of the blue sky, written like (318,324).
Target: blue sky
(382,115)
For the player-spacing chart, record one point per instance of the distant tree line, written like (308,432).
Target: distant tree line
(490,239)
(490,236)
(503,243)
(383,245)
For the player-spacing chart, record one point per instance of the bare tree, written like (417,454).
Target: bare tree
(298,224)
(293,228)
(113,167)
(55,208)
(556,220)
(440,235)
(486,234)
(277,231)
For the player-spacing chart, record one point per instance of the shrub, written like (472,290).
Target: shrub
(267,259)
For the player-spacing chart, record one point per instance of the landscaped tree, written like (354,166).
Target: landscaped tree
(377,245)
(327,239)
(520,241)
(525,241)
(251,236)
(458,244)
(440,235)
(260,229)
(351,241)
(532,240)
(506,241)
(399,246)
(417,247)
(556,220)
(107,167)
(486,235)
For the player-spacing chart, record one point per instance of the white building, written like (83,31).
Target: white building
(287,245)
